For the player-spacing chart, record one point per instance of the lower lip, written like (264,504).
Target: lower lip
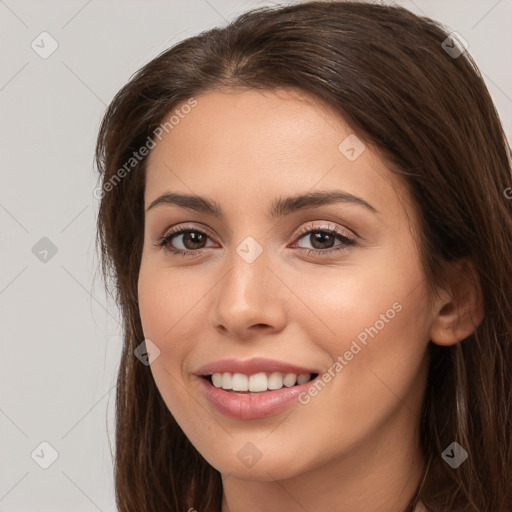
(252,406)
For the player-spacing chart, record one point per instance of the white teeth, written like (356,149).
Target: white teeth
(303,378)
(217,380)
(289,380)
(258,382)
(275,381)
(240,382)
(227,380)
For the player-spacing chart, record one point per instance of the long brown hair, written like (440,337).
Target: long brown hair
(428,113)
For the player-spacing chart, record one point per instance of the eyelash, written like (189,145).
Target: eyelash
(346,242)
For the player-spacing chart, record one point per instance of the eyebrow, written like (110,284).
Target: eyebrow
(279,207)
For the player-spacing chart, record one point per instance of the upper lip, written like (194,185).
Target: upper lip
(251,366)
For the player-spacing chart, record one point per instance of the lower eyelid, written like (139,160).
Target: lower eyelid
(175,234)
(345,243)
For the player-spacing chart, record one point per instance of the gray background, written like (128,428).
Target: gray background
(60,336)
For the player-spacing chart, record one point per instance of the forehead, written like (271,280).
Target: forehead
(247,147)
(268,125)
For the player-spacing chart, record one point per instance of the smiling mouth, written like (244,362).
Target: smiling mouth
(257,383)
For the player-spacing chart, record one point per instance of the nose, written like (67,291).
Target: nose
(249,299)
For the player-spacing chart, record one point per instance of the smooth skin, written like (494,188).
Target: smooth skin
(355,446)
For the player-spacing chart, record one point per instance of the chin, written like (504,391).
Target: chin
(265,469)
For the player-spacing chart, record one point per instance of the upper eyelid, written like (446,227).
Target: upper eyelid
(308,227)
(327,227)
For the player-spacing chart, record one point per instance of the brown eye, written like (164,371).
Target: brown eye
(322,241)
(192,240)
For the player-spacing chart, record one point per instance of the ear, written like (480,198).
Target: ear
(459,306)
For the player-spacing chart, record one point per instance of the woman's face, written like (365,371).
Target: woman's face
(333,288)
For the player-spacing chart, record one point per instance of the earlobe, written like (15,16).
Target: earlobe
(460,306)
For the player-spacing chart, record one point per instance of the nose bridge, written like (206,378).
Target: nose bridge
(249,294)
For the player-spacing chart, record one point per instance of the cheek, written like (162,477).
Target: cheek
(166,302)
(381,325)
(172,305)
(166,298)
(373,320)
(383,297)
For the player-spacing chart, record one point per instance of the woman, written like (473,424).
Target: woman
(306,221)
